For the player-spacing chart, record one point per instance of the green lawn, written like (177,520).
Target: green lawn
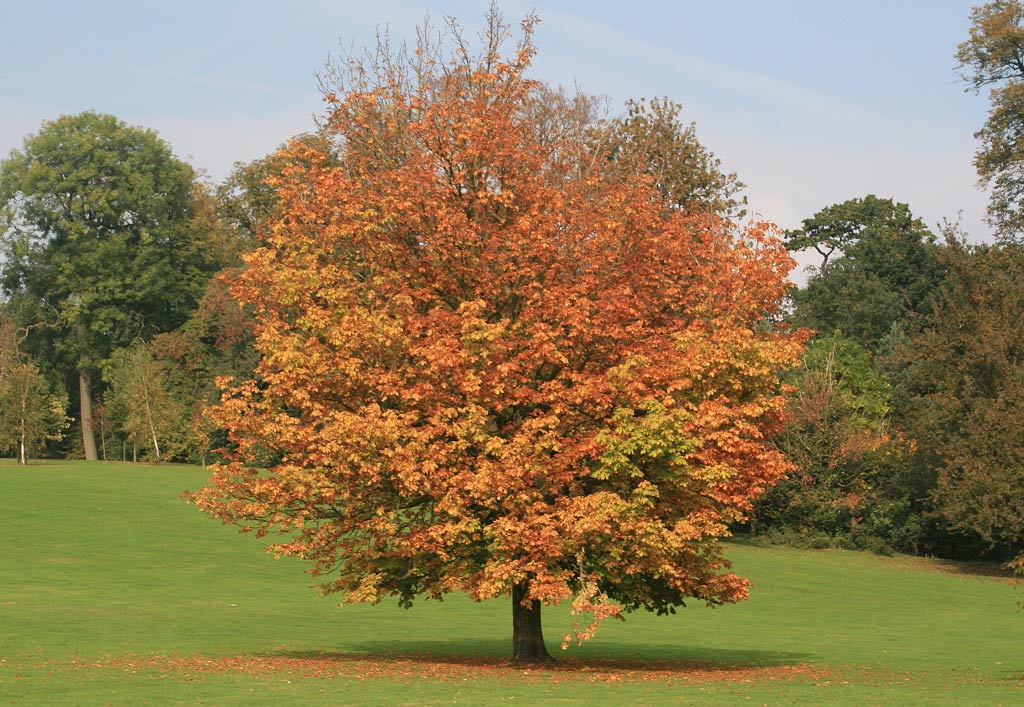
(113,591)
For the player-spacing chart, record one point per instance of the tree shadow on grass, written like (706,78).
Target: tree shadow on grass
(977,569)
(667,659)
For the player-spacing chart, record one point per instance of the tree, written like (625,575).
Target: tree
(216,341)
(965,366)
(31,414)
(838,434)
(104,240)
(9,336)
(878,263)
(651,138)
(494,365)
(993,57)
(246,199)
(141,401)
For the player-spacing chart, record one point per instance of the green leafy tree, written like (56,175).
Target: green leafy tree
(838,435)
(878,264)
(105,238)
(141,400)
(216,342)
(8,342)
(993,58)
(964,366)
(31,414)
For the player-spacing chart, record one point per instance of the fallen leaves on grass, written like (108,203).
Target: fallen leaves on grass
(442,669)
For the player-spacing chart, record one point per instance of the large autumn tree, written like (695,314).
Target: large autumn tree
(105,238)
(491,363)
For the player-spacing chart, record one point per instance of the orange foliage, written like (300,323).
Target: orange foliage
(488,361)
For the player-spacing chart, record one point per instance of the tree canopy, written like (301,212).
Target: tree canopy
(651,138)
(493,364)
(845,488)
(878,264)
(104,241)
(965,363)
(993,57)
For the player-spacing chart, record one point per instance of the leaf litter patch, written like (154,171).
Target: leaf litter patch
(456,668)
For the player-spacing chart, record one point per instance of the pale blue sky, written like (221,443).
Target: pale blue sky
(810,102)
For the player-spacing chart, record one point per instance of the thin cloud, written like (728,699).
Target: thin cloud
(797,148)
(233,85)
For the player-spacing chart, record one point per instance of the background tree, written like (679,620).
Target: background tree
(104,240)
(31,414)
(140,400)
(8,342)
(217,341)
(993,57)
(485,370)
(847,488)
(878,265)
(965,369)
(651,138)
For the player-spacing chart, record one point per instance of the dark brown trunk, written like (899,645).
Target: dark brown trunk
(527,637)
(85,392)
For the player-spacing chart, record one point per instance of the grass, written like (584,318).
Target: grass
(113,591)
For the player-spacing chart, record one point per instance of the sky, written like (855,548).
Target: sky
(809,102)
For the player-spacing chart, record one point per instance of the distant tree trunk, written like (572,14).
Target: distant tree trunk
(527,637)
(149,414)
(21,428)
(85,394)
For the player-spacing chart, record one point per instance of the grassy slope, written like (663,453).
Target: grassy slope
(102,564)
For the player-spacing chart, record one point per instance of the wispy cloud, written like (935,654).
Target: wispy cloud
(798,148)
(233,84)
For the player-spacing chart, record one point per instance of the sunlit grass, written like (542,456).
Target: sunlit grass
(114,591)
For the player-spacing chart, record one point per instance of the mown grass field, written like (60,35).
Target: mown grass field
(113,591)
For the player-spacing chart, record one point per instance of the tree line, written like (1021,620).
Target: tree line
(905,420)
(467,283)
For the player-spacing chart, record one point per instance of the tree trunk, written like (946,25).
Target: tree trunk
(21,429)
(85,393)
(527,638)
(149,416)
